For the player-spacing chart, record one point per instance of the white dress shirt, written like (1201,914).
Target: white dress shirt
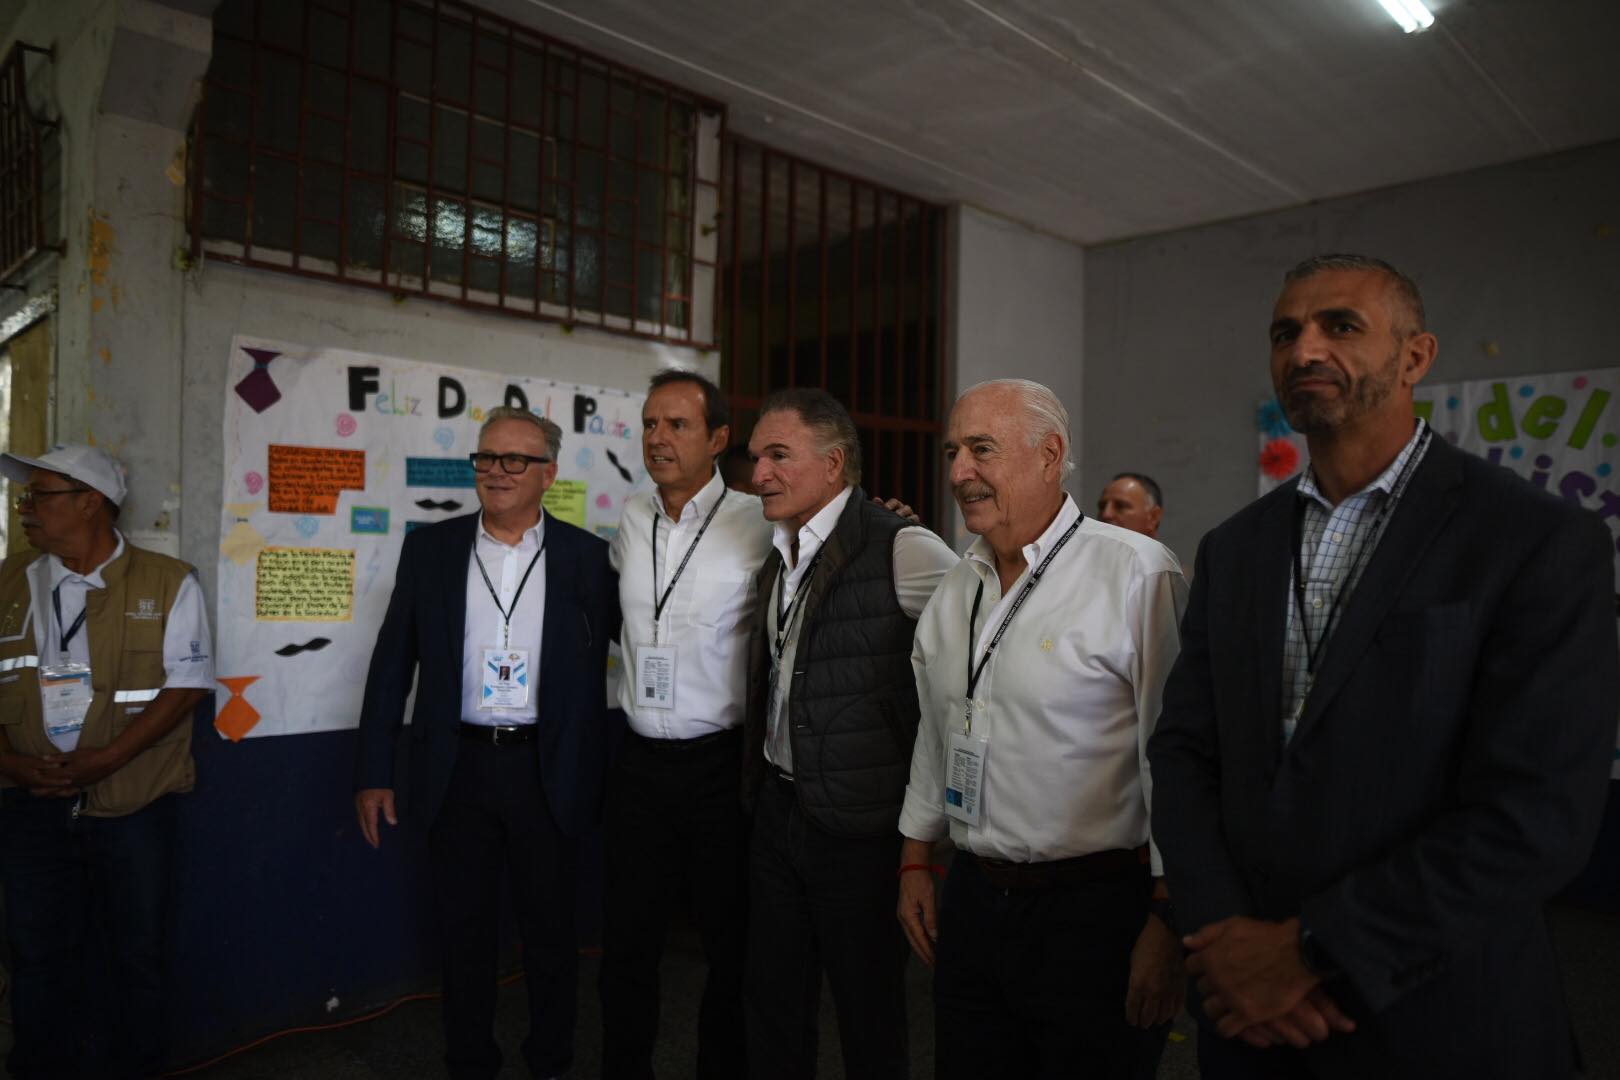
(188,661)
(505,564)
(709,613)
(1068,699)
(921,559)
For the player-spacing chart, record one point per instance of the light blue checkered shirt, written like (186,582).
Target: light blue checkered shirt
(1332,540)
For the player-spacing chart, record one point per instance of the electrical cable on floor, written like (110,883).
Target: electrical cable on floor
(309,1028)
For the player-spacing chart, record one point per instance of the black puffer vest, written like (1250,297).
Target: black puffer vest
(853,698)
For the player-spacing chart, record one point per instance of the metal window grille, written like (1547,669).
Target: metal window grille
(428,147)
(835,282)
(24,209)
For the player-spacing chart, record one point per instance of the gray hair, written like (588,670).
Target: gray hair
(549,429)
(1406,290)
(1042,409)
(826,416)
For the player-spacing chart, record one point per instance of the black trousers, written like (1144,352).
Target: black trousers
(495,823)
(88,903)
(822,903)
(1031,983)
(674,830)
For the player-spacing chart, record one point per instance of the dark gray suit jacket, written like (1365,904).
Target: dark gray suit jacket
(1446,778)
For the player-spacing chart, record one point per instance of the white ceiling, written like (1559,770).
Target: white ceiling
(1101,119)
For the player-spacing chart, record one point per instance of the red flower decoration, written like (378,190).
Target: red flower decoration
(1279,459)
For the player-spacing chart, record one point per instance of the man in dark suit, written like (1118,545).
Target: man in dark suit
(505,771)
(1386,740)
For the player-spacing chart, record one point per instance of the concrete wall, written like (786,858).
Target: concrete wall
(1519,266)
(1016,311)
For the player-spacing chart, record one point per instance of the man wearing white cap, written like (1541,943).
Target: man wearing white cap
(104,651)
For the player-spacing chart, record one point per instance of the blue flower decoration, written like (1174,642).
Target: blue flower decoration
(1272,421)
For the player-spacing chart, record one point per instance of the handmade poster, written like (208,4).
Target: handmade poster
(331,457)
(1561,432)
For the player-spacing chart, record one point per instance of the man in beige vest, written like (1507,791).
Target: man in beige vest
(104,652)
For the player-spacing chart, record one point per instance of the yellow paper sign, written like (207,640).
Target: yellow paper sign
(565,501)
(305,585)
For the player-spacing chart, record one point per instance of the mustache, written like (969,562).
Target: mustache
(314,644)
(1313,371)
(972,490)
(429,504)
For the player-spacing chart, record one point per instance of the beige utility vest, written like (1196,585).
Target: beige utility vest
(124,623)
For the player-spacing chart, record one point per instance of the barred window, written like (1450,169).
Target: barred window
(30,165)
(432,148)
(838,283)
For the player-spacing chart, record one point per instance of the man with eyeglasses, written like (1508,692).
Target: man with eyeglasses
(506,768)
(104,652)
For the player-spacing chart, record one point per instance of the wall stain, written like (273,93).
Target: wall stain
(105,354)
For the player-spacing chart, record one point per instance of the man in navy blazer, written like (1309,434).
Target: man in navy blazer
(1387,738)
(505,617)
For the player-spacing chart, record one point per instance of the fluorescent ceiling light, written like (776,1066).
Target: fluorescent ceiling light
(1411,14)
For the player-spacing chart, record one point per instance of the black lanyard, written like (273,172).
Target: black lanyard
(506,612)
(973,673)
(658,604)
(68,634)
(783,621)
(1313,649)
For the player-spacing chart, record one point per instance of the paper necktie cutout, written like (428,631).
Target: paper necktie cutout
(257,388)
(238,717)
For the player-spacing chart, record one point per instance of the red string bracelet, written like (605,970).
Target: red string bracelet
(940,870)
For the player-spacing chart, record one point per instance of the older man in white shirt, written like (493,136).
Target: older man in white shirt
(1039,663)
(686,553)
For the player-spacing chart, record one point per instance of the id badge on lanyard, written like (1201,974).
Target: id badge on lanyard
(65,693)
(964,776)
(505,679)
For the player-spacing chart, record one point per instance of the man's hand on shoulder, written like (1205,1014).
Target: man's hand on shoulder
(368,802)
(1251,974)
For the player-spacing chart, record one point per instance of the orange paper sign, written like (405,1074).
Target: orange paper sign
(307,479)
(237,718)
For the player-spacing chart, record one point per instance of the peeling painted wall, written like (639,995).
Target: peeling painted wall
(1519,266)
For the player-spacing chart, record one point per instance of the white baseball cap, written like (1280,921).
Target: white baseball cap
(89,465)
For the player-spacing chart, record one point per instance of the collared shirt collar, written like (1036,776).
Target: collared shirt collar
(532,535)
(981,553)
(820,526)
(60,573)
(1384,481)
(699,504)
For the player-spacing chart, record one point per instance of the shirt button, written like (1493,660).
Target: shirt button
(979,704)
(1317,603)
(1338,537)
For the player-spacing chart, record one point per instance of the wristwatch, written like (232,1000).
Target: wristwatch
(1315,958)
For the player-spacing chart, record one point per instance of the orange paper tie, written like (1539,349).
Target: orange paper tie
(238,717)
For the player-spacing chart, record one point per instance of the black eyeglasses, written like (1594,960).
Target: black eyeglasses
(28,496)
(511,464)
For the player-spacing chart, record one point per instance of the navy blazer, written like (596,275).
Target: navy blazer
(422,633)
(1446,778)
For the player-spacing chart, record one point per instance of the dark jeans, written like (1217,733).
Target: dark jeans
(86,908)
(819,902)
(674,830)
(1031,983)
(495,823)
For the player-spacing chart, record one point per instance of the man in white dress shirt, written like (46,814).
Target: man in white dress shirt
(687,553)
(832,710)
(1039,665)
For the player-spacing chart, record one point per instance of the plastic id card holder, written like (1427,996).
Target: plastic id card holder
(65,692)
(505,679)
(964,776)
(655,676)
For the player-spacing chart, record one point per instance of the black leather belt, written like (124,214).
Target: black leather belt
(678,745)
(500,736)
(1098,866)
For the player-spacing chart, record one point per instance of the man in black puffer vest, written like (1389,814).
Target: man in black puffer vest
(832,713)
